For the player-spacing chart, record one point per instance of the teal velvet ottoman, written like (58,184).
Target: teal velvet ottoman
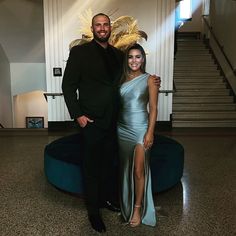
(166,163)
(63,164)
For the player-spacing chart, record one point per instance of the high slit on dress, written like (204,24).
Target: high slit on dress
(132,126)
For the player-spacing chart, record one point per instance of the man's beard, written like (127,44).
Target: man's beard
(101,40)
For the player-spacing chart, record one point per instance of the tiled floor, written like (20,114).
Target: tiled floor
(204,203)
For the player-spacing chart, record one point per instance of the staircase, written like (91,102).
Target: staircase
(202,97)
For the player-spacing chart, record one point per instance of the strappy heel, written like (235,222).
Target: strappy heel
(135,221)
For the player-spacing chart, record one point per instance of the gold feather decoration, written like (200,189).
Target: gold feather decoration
(77,42)
(85,20)
(124,31)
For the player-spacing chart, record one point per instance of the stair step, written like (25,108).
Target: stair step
(210,123)
(205,115)
(197,70)
(197,53)
(198,80)
(190,40)
(193,59)
(196,73)
(204,107)
(182,46)
(199,49)
(191,47)
(192,50)
(190,54)
(200,92)
(194,56)
(199,86)
(203,100)
(195,67)
(189,78)
(201,82)
(196,63)
(192,44)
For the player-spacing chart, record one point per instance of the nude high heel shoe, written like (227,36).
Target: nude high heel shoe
(136,218)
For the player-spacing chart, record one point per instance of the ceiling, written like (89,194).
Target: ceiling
(22,31)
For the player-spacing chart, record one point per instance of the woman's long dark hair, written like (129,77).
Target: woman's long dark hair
(126,69)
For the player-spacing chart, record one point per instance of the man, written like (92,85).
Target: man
(94,69)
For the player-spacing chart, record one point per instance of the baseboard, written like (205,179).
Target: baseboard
(23,131)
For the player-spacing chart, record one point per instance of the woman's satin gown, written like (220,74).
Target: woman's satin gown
(132,126)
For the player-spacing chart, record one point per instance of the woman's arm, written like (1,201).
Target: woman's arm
(153,100)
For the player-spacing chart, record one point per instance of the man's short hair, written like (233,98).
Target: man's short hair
(101,14)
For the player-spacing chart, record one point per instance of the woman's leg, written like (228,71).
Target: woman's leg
(139,182)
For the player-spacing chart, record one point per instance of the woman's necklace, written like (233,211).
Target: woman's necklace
(132,76)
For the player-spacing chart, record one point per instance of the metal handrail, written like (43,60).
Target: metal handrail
(53,95)
(167,91)
(221,47)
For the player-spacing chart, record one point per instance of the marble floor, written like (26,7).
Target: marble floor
(204,203)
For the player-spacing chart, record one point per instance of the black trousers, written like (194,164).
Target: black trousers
(100,153)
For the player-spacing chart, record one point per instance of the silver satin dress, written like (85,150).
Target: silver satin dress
(132,126)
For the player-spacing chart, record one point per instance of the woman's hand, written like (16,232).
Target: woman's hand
(148,140)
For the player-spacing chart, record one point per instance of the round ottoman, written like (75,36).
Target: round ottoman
(166,163)
(63,163)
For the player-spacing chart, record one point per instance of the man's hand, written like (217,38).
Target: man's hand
(157,80)
(83,120)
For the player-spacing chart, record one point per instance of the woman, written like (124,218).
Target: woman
(136,133)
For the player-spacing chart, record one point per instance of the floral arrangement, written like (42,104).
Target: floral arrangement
(124,31)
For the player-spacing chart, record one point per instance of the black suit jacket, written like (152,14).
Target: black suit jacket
(96,77)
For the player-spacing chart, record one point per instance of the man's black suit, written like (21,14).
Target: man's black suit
(95,72)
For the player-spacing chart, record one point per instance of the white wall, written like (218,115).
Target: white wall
(27,77)
(5,91)
(28,83)
(222,20)
(22,39)
(21,30)
(195,25)
(30,104)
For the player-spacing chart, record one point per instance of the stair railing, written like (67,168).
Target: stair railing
(53,95)
(166,92)
(218,44)
(1,126)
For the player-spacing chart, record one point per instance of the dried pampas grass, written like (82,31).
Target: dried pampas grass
(124,32)
(85,20)
(78,42)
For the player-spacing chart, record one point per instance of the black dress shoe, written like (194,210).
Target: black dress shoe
(110,206)
(97,223)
